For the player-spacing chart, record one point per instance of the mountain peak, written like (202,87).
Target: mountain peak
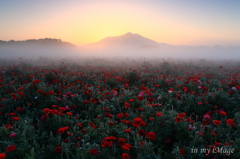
(129,40)
(129,34)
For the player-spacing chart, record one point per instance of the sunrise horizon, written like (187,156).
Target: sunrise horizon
(117,36)
(85,22)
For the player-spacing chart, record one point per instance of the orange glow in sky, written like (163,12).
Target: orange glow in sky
(83,22)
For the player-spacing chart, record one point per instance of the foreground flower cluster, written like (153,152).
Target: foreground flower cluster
(107,109)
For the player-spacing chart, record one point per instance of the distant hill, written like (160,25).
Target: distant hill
(34,48)
(127,40)
(128,45)
(47,42)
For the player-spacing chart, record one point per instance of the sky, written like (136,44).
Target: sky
(176,22)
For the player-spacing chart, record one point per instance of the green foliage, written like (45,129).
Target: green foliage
(167,68)
(13,71)
(50,77)
(112,83)
(132,77)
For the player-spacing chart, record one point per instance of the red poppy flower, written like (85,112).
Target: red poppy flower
(185,89)
(61,109)
(108,141)
(131,100)
(77,145)
(92,100)
(80,125)
(138,122)
(127,130)
(13,95)
(65,140)
(11,148)
(126,115)
(58,150)
(217,143)
(141,132)
(168,140)
(85,102)
(10,114)
(216,122)
(125,156)
(69,134)
(111,123)
(121,141)
(51,92)
(227,143)
(61,130)
(229,121)
(182,152)
(15,118)
(158,114)
(183,115)
(140,98)
(223,113)
(200,133)
(94,151)
(84,131)
(151,119)
(68,113)
(151,136)
(150,99)
(233,124)
(126,146)
(127,105)
(20,109)
(2,155)
(74,106)
(93,126)
(120,115)
(207,116)
(178,119)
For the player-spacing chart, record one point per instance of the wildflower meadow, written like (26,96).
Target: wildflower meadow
(119,109)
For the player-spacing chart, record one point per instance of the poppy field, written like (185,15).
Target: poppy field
(124,109)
